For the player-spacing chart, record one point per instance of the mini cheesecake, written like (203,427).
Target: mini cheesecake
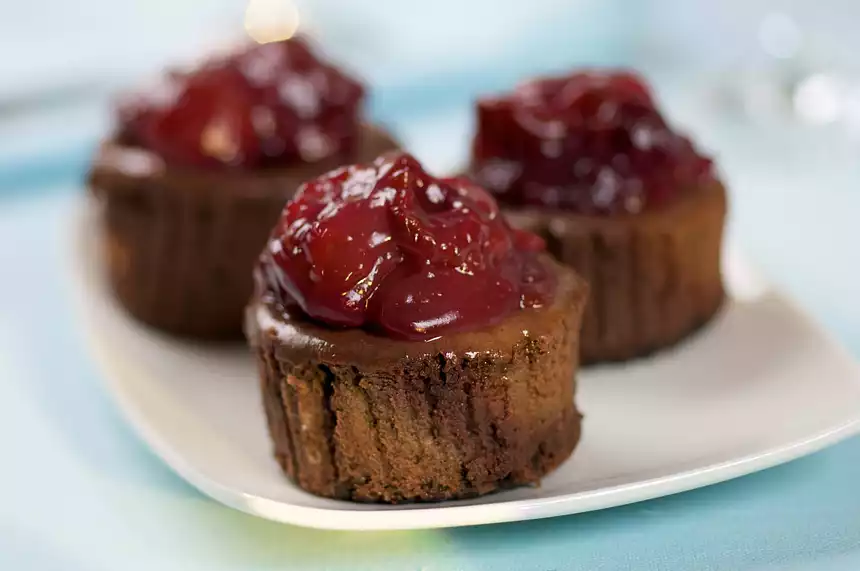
(199,169)
(411,345)
(587,162)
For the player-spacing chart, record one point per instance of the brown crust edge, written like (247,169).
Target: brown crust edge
(181,244)
(655,277)
(424,423)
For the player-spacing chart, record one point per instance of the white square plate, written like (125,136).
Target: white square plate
(760,386)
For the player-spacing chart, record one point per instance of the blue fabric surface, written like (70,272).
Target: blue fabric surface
(82,493)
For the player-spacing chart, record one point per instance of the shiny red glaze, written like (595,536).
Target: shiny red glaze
(271,105)
(389,248)
(590,142)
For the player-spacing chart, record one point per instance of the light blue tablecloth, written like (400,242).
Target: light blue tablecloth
(80,491)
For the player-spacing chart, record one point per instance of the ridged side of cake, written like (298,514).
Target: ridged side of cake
(654,277)
(431,427)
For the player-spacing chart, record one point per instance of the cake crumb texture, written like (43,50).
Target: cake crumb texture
(434,427)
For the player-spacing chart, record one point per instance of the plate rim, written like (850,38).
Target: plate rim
(440,515)
(432,515)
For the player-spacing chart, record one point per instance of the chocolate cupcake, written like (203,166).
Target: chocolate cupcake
(589,163)
(199,169)
(412,346)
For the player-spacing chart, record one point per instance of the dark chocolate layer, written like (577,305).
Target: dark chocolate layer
(655,276)
(361,417)
(181,243)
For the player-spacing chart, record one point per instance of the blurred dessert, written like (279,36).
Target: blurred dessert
(589,163)
(412,346)
(199,168)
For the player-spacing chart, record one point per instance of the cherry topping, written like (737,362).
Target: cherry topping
(270,105)
(590,142)
(389,248)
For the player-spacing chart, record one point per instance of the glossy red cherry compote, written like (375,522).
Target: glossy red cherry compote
(391,249)
(270,105)
(589,142)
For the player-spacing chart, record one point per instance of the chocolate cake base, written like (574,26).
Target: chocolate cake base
(359,417)
(655,277)
(181,243)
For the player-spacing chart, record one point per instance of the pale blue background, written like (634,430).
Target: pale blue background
(81,493)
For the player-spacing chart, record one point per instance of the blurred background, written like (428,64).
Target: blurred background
(773,60)
(770,87)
